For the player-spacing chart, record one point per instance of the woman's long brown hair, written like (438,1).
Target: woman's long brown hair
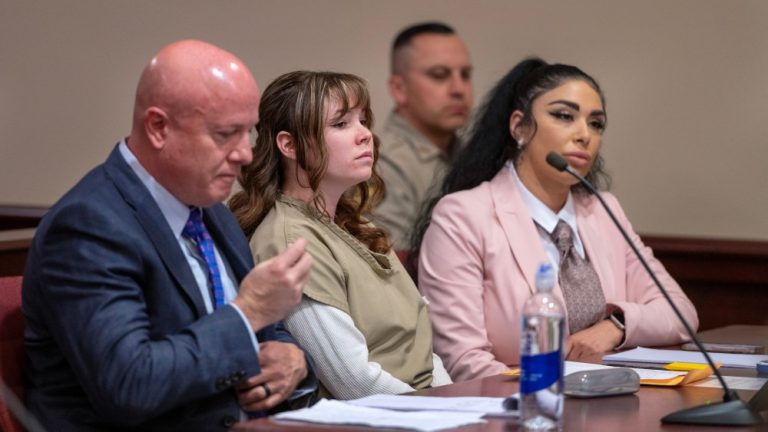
(296,103)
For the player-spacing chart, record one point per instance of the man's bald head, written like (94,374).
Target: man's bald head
(181,76)
(195,105)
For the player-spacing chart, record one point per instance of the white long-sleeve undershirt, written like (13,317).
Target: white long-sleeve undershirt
(341,353)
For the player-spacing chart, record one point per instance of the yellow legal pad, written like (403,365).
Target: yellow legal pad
(689,373)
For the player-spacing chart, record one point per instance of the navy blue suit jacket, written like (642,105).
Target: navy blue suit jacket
(117,335)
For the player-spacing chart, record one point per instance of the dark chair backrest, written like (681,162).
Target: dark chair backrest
(410,261)
(11,346)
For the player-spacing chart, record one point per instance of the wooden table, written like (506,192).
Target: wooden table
(639,412)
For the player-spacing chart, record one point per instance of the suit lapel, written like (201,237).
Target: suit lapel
(516,223)
(151,219)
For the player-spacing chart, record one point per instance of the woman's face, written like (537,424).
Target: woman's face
(569,120)
(349,145)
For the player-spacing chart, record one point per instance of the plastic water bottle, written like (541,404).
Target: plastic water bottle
(541,356)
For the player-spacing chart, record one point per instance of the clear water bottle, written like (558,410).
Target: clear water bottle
(541,356)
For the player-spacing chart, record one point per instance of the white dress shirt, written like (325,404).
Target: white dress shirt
(546,220)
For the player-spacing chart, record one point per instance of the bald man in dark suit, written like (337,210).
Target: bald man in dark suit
(133,323)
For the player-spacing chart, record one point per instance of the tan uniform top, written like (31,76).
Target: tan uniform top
(373,289)
(413,170)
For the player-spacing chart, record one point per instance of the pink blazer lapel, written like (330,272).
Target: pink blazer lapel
(516,223)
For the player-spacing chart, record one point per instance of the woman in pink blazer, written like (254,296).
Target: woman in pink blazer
(490,229)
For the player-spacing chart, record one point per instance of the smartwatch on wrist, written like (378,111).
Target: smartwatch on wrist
(617,318)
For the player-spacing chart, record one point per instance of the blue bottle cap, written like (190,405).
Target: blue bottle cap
(762,367)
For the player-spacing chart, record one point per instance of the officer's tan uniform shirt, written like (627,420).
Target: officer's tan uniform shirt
(413,170)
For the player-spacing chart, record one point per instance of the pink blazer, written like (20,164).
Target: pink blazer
(478,263)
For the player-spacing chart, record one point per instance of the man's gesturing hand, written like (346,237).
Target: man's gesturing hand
(274,286)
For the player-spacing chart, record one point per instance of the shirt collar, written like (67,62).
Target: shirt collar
(540,213)
(175,212)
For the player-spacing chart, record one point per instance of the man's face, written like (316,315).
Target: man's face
(207,145)
(433,89)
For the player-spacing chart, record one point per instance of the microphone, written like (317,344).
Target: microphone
(732,411)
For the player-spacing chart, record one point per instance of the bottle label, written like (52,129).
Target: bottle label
(539,371)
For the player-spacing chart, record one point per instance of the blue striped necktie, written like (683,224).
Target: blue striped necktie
(195,230)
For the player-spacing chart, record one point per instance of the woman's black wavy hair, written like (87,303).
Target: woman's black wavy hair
(491,145)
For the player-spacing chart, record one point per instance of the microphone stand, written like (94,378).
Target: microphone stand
(15,406)
(732,411)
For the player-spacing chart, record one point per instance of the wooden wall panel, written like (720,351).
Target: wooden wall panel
(14,245)
(17,217)
(727,280)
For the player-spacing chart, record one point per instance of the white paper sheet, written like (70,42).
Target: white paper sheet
(649,355)
(734,383)
(656,374)
(337,412)
(485,405)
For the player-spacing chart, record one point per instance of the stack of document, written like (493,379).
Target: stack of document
(420,413)
(649,355)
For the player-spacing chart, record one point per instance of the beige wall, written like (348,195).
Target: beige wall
(686,82)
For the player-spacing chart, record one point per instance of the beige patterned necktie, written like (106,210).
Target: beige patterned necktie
(584,299)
